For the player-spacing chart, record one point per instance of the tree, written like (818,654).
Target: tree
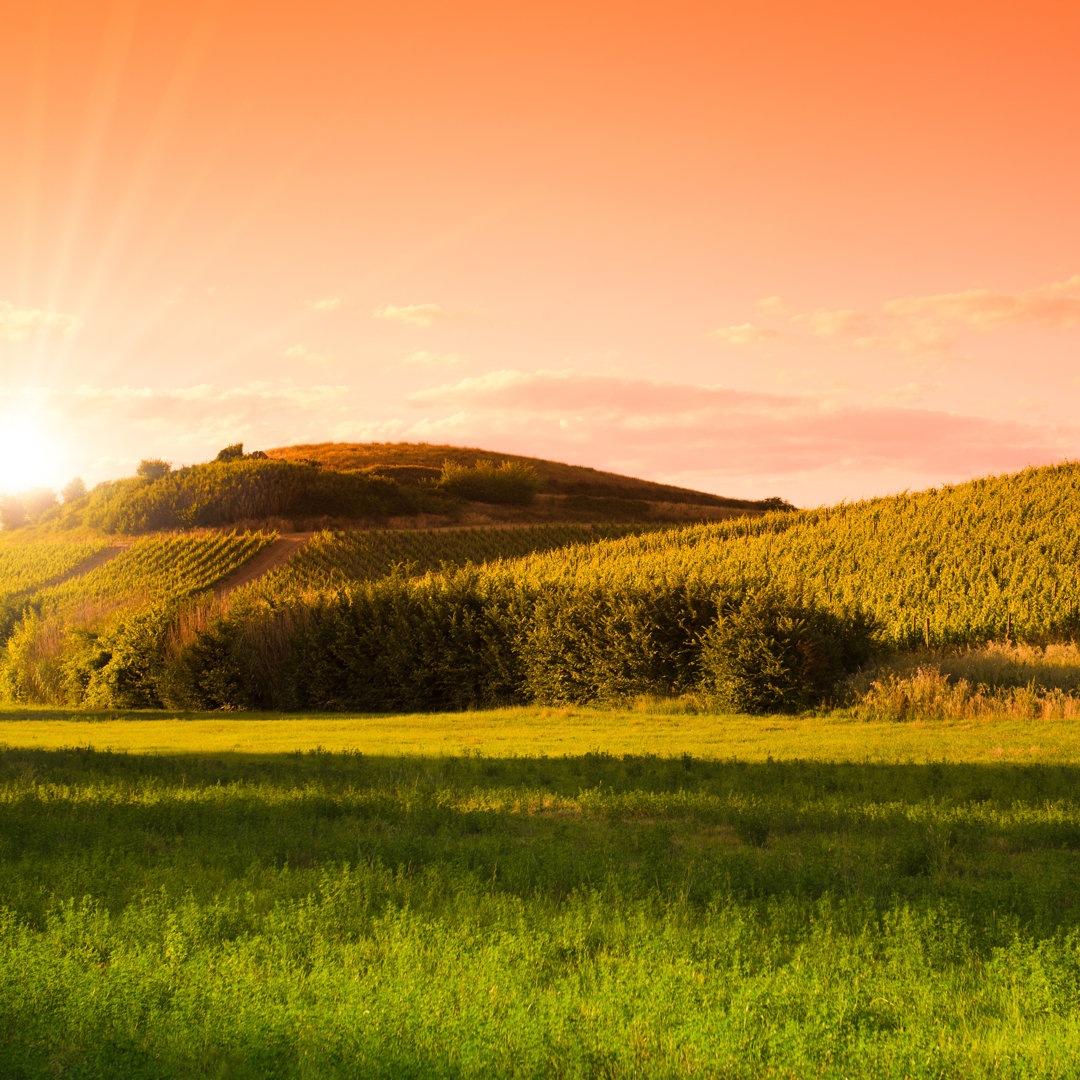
(152,469)
(74,491)
(37,501)
(12,512)
(231,453)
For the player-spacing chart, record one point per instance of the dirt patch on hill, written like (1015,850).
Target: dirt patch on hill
(270,558)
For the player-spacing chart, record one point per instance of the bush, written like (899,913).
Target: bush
(609,645)
(152,469)
(12,512)
(508,483)
(74,491)
(221,493)
(767,653)
(231,453)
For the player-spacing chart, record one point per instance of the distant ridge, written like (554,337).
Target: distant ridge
(405,461)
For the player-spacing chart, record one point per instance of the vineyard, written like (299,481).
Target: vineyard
(334,559)
(57,637)
(157,568)
(966,563)
(646,614)
(26,567)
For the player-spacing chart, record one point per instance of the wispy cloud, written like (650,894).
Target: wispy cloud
(416,314)
(426,359)
(926,326)
(18,324)
(744,334)
(1056,306)
(326,303)
(659,426)
(309,356)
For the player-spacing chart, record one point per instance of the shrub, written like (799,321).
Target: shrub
(767,653)
(220,493)
(231,453)
(582,645)
(12,512)
(508,483)
(152,469)
(74,491)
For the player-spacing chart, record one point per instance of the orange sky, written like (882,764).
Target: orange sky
(813,250)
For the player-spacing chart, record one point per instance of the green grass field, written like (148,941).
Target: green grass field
(565,893)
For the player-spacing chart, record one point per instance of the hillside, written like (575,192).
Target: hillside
(567,492)
(353,486)
(420,619)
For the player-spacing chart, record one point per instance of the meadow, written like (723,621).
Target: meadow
(537,892)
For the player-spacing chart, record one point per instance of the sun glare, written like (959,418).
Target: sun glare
(29,455)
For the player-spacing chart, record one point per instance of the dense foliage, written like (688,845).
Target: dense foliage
(349,625)
(508,482)
(770,655)
(60,645)
(224,492)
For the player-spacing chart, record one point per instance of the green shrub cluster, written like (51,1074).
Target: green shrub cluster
(223,492)
(508,483)
(770,654)
(456,642)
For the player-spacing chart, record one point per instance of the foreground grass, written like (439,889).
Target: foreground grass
(521,894)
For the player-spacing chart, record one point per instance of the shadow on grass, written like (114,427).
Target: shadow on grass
(993,840)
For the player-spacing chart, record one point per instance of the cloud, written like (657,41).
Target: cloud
(1056,306)
(909,394)
(926,326)
(18,324)
(326,303)
(657,427)
(416,314)
(744,334)
(424,358)
(309,356)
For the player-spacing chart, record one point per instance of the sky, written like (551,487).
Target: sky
(821,251)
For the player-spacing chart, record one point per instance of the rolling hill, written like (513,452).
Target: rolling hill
(430,618)
(571,487)
(300,488)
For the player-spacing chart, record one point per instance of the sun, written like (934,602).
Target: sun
(30,454)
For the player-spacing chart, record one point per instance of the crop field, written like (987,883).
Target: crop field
(335,559)
(159,567)
(25,567)
(958,564)
(537,892)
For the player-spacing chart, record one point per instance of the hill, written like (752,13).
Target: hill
(302,488)
(780,601)
(571,487)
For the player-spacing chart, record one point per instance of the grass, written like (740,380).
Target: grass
(530,893)
(650,729)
